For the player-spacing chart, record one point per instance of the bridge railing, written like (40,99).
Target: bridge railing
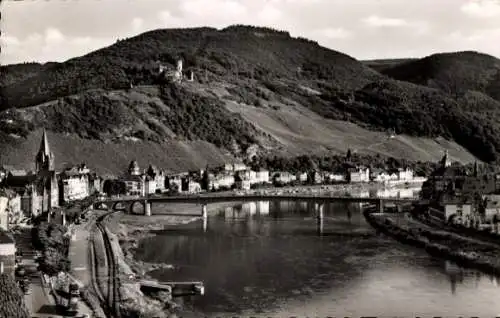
(257,196)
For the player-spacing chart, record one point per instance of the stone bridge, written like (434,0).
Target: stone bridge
(128,203)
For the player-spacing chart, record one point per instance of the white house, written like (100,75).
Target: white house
(261,176)
(405,174)
(224,179)
(284,177)
(75,183)
(301,176)
(360,174)
(336,177)
(235,167)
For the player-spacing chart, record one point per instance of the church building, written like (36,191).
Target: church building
(39,189)
(45,188)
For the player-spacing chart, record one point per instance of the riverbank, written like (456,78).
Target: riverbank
(465,251)
(126,232)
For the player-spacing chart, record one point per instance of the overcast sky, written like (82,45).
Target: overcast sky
(57,30)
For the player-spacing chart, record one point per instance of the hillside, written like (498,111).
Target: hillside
(280,129)
(454,73)
(256,91)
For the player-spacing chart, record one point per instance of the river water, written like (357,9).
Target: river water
(267,259)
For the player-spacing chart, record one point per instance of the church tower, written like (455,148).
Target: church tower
(45,158)
(445,162)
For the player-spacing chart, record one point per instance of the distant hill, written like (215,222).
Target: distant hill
(454,73)
(256,91)
(383,64)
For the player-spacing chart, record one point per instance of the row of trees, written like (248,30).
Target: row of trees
(52,240)
(338,163)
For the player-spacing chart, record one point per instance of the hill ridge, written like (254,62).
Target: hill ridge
(241,76)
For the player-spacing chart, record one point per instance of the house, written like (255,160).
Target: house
(149,185)
(221,180)
(190,186)
(75,183)
(7,253)
(490,205)
(380,176)
(301,177)
(95,183)
(359,174)
(315,177)
(284,177)
(235,167)
(158,176)
(134,180)
(4,213)
(260,176)
(336,177)
(243,184)
(405,174)
(174,182)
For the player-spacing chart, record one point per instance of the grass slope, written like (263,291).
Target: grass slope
(113,158)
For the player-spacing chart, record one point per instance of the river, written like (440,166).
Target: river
(267,259)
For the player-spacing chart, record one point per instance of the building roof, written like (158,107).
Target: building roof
(129,177)
(5,238)
(18,172)
(19,181)
(44,144)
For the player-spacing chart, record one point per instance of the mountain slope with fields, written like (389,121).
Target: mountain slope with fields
(257,91)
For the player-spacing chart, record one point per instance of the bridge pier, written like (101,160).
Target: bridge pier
(320,216)
(204,216)
(381,206)
(147,208)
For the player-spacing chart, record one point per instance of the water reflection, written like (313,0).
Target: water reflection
(265,258)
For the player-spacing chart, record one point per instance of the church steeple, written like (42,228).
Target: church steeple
(445,162)
(45,158)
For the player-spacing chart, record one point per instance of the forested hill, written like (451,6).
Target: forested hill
(285,95)
(455,73)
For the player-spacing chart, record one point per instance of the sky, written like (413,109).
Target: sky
(57,30)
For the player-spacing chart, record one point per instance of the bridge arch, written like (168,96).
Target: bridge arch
(119,206)
(133,206)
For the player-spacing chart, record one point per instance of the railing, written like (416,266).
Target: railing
(193,198)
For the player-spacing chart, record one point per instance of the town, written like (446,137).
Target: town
(450,195)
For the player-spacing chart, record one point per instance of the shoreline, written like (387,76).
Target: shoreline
(466,251)
(128,230)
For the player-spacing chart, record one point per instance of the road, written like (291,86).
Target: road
(79,257)
(39,302)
